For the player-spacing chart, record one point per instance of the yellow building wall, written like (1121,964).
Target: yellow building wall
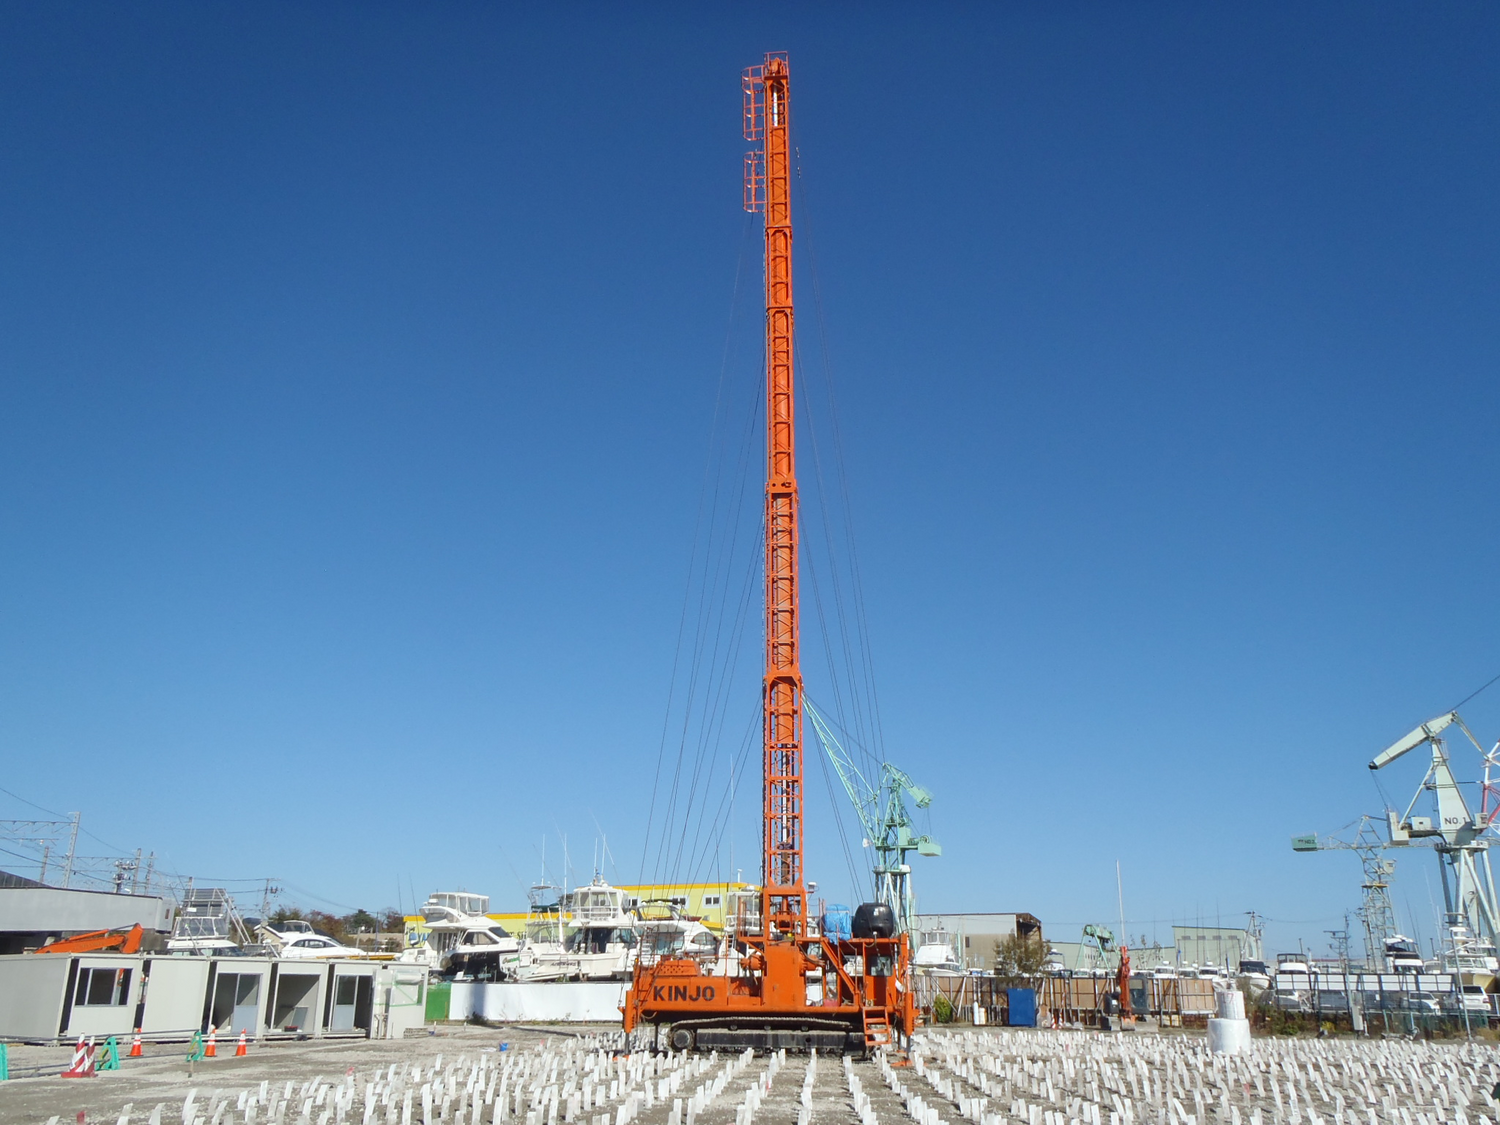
(705,901)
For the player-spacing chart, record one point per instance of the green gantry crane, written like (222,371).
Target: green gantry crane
(886,822)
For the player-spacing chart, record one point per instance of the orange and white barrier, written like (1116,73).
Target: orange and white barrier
(83,1061)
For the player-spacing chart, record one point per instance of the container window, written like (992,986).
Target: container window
(102,988)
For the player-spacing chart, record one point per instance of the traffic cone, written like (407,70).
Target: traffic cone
(83,1062)
(135,1046)
(211,1051)
(240,1051)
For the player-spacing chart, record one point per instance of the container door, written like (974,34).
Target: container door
(222,1011)
(246,1005)
(345,1000)
(364,1003)
(296,994)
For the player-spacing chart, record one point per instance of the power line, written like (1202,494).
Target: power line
(1471,695)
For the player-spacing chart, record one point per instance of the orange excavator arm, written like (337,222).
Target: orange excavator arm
(98,941)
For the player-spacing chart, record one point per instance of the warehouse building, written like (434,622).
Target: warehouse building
(974,936)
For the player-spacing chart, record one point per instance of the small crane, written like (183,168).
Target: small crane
(886,822)
(1376,911)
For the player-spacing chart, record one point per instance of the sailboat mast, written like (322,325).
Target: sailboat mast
(768,189)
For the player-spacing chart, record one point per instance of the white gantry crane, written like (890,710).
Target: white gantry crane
(1457,835)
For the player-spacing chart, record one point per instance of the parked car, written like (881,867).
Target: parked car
(1289,1000)
(1421,1002)
(1473,998)
(1332,1000)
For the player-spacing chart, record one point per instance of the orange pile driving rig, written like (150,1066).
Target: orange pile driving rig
(779,981)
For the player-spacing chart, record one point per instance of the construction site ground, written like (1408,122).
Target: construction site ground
(1080,1075)
(164,1077)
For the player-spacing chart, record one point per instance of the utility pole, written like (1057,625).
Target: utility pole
(1340,944)
(72,847)
(1255,933)
(266,894)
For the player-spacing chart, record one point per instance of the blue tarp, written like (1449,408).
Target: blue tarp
(837,923)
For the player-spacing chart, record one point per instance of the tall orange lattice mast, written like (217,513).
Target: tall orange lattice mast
(768,188)
(774,980)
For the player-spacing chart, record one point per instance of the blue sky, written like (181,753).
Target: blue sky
(358,381)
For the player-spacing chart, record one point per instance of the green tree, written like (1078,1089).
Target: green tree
(1020,957)
(392,921)
(360,922)
(323,922)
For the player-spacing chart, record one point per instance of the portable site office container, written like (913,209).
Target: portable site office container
(351,999)
(173,996)
(54,997)
(234,994)
(48,997)
(402,992)
(102,995)
(31,996)
(322,997)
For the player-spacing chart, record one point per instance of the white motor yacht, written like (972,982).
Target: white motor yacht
(1472,959)
(277,935)
(666,932)
(1293,982)
(541,956)
(1402,955)
(316,947)
(460,936)
(936,956)
(602,944)
(1255,974)
(207,923)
